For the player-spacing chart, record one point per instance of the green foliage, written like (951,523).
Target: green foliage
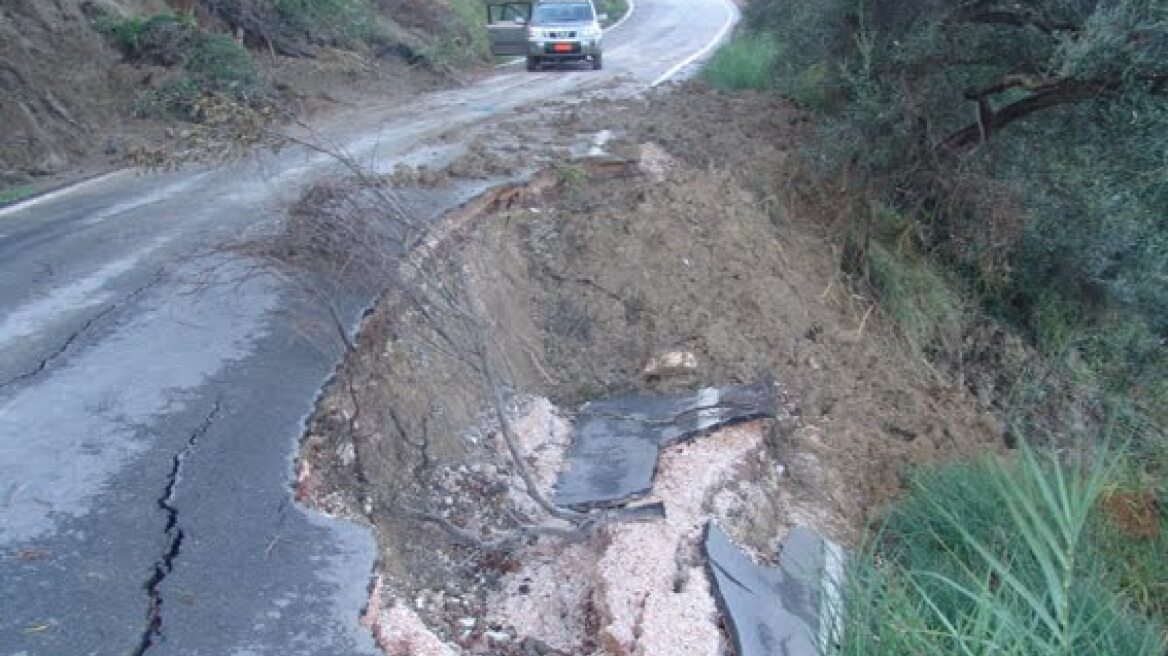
(215,64)
(221,64)
(1028,142)
(993,558)
(14,194)
(916,296)
(810,38)
(464,40)
(616,9)
(747,62)
(338,22)
(159,40)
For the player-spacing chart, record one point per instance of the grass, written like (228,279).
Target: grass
(916,296)
(133,35)
(616,10)
(344,22)
(1027,558)
(465,41)
(15,194)
(747,62)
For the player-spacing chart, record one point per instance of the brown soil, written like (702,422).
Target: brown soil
(704,248)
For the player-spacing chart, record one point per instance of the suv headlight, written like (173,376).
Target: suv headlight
(591,32)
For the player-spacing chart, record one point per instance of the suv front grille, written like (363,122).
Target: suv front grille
(562,35)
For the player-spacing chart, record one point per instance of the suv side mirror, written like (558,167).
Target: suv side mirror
(603,18)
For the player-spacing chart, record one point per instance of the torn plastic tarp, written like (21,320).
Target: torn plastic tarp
(616,442)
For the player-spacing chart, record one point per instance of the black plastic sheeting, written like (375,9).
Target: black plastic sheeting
(787,610)
(616,442)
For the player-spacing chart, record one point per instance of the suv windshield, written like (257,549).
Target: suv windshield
(562,13)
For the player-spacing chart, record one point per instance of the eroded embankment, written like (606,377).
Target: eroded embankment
(577,283)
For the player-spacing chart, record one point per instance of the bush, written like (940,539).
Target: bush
(1026,143)
(221,64)
(464,40)
(334,22)
(214,64)
(616,9)
(160,40)
(996,558)
(747,62)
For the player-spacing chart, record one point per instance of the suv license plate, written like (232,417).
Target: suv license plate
(562,47)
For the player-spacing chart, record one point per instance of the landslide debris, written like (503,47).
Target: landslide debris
(696,249)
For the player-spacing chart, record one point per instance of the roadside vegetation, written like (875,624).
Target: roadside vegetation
(1039,556)
(208,66)
(615,9)
(1005,188)
(15,194)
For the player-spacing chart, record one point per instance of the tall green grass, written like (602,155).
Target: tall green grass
(747,62)
(1005,559)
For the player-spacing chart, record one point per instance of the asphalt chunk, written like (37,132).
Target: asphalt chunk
(788,610)
(616,442)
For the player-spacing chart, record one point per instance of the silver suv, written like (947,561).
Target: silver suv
(546,31)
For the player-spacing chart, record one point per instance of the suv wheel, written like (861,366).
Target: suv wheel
(596,63)
(532,63)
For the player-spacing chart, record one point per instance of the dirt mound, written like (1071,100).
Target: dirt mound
(63,91)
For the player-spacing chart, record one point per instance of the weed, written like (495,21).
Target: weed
(916,296)
(14,194)
(464,40)
(341,22)
(1002,558)
(221,64)
(615,9)
(747,62)
(161,40)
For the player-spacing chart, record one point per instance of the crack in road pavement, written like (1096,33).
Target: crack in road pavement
(165,565)
(84,328)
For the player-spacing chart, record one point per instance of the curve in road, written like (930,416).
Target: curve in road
(153,390)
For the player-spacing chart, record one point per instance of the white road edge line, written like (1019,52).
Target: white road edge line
(628,15)
(44,198)
(731,19)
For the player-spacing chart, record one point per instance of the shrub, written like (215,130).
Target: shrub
(215,64)
(463,40)
(160,40)
(336,22)
(221,64)
(747,62)
(616,9)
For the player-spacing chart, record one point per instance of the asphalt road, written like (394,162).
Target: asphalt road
(152,392)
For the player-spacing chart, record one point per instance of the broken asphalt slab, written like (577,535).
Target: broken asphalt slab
(616,442)
(788,610)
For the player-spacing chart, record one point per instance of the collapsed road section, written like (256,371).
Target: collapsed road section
(616,441)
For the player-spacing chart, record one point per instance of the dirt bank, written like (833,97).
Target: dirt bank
(68,97)
(696,249)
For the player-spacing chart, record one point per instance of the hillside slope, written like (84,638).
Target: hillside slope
(69,96)
(61,87)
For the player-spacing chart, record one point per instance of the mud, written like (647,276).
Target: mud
(701,249)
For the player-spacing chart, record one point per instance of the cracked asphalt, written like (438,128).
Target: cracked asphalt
(153,389)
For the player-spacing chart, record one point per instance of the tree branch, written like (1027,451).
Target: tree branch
(1047,93)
